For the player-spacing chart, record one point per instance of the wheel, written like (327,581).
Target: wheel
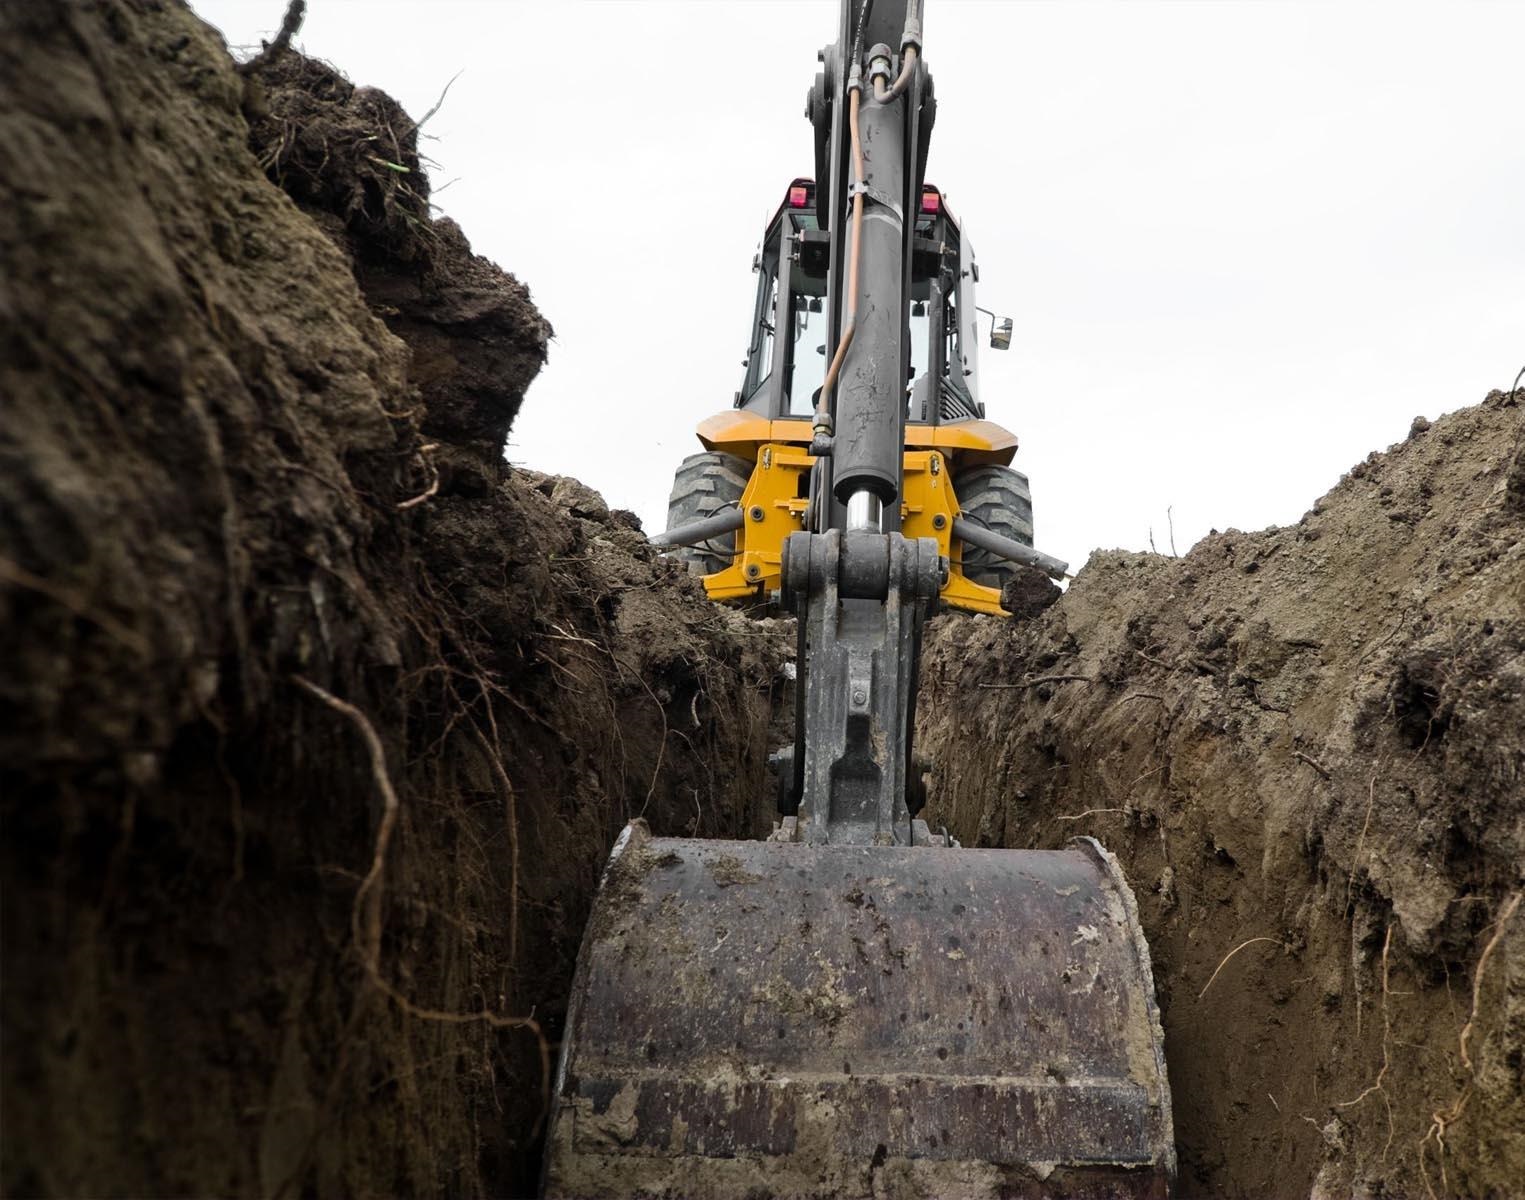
(999,499)
(703,485)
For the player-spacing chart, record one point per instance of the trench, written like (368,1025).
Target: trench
(317,719)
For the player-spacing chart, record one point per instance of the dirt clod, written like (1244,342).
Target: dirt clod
(1028,593)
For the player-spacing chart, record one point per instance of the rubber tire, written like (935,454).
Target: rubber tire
(1001,500)
(703,485)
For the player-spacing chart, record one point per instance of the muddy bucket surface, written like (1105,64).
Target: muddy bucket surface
(764,1019)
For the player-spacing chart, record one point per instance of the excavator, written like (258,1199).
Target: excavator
(859,1006)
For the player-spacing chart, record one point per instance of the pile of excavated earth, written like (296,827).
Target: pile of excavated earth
(317,719)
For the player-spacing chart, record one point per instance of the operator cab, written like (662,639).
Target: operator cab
(788,351)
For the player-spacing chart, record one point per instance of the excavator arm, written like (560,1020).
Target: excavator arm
(860,590)
(857,1007)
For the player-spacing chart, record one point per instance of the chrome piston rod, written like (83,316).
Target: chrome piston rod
(865,511)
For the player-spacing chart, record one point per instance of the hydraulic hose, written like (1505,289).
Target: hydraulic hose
(910,46)
(884,95)
(910,42)
(823,407)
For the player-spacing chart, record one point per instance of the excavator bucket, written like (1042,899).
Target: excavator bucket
(771,1019)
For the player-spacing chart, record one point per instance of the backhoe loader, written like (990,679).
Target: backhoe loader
(859,1006)
(754,471)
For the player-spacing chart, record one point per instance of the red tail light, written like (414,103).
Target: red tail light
(798,196)
(931,201)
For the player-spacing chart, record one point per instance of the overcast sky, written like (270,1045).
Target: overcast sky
(1243,244)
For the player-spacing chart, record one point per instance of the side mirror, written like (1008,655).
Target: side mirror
(1000,334)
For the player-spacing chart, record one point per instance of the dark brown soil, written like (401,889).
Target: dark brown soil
(253,515)
(1307,746)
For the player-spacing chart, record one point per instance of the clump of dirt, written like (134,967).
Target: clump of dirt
(1307,747)
(347,155)
(317,721)
(1028,592)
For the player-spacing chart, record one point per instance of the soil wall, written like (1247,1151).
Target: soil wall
(315,720)
(1307,746)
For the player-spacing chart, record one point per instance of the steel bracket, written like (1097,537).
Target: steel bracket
(862,598)
(878,196)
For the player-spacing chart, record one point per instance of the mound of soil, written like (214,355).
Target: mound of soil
(316,721)
(1307,746)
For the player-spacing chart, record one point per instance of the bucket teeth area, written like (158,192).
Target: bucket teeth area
(968,1021)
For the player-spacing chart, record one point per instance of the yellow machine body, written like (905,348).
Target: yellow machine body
(774,501)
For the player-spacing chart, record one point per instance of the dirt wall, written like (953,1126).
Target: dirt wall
(1307,746)
(315,720)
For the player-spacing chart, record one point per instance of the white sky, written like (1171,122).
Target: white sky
(1243,243)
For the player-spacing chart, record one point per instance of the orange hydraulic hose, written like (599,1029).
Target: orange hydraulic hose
(823,408)
(883,96)
(907,66)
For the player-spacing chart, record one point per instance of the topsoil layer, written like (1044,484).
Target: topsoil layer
(316,721)
(1307,747)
